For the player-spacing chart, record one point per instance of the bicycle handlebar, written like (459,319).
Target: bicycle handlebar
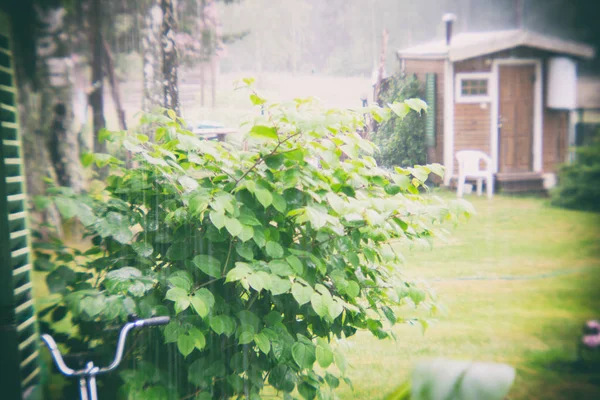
(156,321)
(60,363)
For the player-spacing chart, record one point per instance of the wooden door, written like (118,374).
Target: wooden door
(516,94)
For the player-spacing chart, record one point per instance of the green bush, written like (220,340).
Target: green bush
(262,257)
(401,141)
(579,183)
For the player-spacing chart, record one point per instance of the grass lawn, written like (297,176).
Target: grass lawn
(532,323)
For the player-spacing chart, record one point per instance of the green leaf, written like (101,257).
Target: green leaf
(352,290)
(144,249)
(181,282)
(389,314)
(259,237)
(279,286)
(244,250)
(301,293)
(416,104)
(319,305)
(199,306)
(275,161)
(241,271)
(179,251)
(58,279)
(437,169)
(307,391)
(246,337)
(222,324)
(340,361)
(259,280)
(233,226)
(304,355)
(280,267)
(217,218)
(208,264)
(333,381)
(176,293)
(263,343)
(334,307)
(172,332)
(202,301)
(400,109)
(279,203)
(185,344)
(246,234)
(264,197)
(264,132)
(274,249)
(296,264)
(257,101)
(248,219)
(416,295)
(93,305)
(198,337)
(116,226)
(324,356)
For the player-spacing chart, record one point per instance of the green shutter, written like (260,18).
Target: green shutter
(19,339)
(430,95)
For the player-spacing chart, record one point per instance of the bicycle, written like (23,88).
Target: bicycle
(87,376)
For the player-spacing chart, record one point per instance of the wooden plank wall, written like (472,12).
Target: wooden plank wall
(472,120)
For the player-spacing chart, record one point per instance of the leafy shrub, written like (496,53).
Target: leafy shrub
(401,140)
(579,182)
(261,257)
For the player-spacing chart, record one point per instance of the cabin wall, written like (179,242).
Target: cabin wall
(472,120)
(420,68)
(555,137)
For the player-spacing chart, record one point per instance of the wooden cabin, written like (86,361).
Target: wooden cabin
(507,93)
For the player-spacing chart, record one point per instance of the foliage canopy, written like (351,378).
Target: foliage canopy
(262,257)
(401,138)
(579,182)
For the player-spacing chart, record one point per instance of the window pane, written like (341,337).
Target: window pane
(474,87)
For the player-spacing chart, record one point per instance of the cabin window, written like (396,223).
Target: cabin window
(473,88)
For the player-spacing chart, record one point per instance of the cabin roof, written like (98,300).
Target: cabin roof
(474,44)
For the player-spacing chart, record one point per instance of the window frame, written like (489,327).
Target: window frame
(465,98)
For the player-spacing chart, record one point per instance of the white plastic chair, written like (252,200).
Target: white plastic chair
(469,168)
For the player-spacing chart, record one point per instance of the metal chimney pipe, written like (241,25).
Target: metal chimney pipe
(449,19)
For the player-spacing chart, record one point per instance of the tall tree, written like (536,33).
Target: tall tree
(97,63)
(160,58)
(170,63)
(153,70)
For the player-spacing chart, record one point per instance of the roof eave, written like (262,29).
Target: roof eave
(421,56)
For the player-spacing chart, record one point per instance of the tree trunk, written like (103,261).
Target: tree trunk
(55,68)
(153,95)
(169,53)
(213,80)
(97,96)
(114,85)
(51,148)
(202,82)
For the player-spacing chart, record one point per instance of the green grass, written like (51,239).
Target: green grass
(532,324)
